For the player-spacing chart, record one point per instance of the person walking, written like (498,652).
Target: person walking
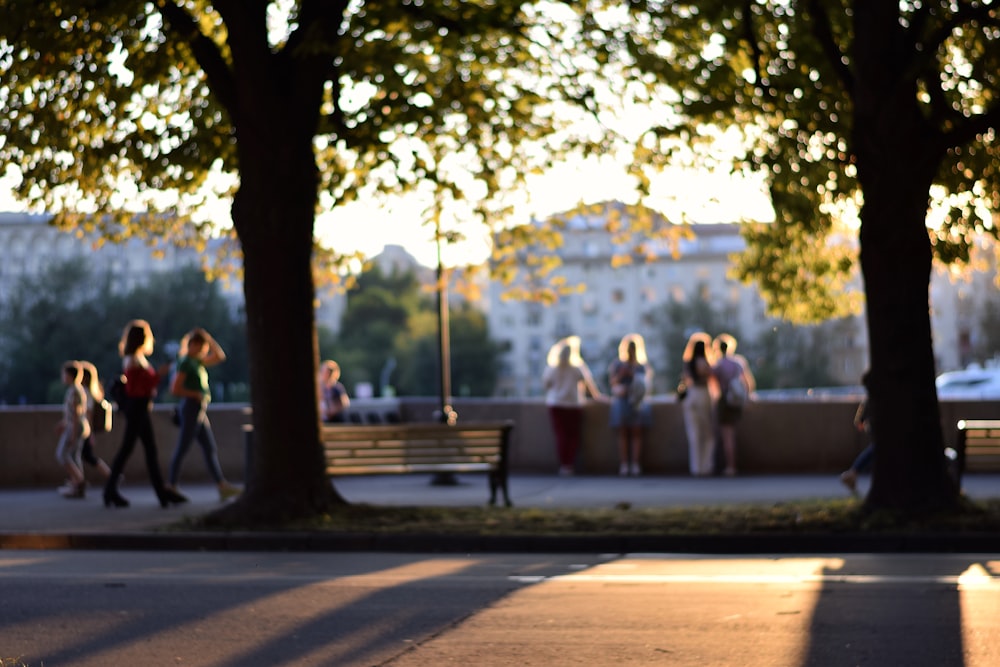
(73,428)
(198,351)
(566,381)
(697,406)
(95,397)
(141,382)
(862,422)
(736,383)
(630,376)
(333,398)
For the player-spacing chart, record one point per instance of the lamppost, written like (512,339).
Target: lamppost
(446,414)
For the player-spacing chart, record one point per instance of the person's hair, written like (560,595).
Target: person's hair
(698,344)
(568,346)
(726,344)
(90,380)
(332,367)
(196,335)
(640,348)
(72,368)
(137,337)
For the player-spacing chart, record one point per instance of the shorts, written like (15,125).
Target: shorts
(624,413)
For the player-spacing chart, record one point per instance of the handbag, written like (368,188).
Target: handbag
(100,416)
(682,390)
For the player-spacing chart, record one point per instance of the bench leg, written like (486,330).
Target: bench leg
(498,480)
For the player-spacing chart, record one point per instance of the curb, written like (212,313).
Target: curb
(463,543)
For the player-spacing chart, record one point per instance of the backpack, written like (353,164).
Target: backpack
(117,391)
(100,417)
(736,394)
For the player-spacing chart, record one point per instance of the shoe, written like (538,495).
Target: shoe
(227,491)
(623,470)
(634,470)
(72,490)
(849,478)
(565,471)
(170,496)
(113,498)
(729,472)
(67,487)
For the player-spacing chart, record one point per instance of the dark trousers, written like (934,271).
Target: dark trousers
(138,426)
(567,424)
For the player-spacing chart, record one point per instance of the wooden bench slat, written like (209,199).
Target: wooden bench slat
(373,449)
(979,444)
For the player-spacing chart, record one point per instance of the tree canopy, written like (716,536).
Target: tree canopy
(886,106)
(302,105)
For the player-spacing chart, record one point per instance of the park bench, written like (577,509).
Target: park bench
(408,448)
(978,445)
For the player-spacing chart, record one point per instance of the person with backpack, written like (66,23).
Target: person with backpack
(141,381)
(73,429)
(99,414)
(736,383)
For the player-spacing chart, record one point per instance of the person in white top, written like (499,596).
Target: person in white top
(566,381)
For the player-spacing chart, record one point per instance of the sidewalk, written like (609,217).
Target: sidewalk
(28,515)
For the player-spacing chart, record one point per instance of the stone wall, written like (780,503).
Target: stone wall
(774,437)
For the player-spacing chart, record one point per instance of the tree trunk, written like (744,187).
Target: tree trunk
(898,153)
(273,213)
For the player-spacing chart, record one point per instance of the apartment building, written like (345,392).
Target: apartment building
(624,299)
(28,244)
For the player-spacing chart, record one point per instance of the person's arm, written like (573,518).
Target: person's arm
(588,383)
(215,354)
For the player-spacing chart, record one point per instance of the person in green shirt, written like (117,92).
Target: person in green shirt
(198,351)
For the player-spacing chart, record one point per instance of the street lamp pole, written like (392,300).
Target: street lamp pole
(446,415)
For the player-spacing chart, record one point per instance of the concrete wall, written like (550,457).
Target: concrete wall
(774,437)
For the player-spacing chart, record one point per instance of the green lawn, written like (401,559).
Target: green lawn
(818,516)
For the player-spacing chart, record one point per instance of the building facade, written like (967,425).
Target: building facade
(618,300)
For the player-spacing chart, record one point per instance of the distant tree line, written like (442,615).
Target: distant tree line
(389,338)
(75,311)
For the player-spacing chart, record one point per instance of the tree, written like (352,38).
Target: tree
(881,104)
(296,99)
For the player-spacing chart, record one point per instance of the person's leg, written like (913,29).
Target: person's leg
(111,494)
(557,419)
(728,432)
(864,460)
(574,431)
(692,430)
(189,411)
(148,440)
(209,448)
(636,434)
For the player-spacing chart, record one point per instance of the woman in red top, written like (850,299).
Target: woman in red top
(141,382)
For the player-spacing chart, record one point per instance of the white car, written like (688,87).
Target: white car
(973,383)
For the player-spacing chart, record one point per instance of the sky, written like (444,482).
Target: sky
(365,227)
(701,197)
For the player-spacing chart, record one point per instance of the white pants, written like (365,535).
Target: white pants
(700,430)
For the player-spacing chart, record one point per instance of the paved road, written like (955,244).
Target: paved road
(264,609)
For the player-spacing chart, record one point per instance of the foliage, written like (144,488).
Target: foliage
(848,103)
(74,311)
(300,106)
(785,74)
(389,331)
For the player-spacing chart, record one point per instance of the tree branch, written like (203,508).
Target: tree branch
(823,32)
(180,23)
